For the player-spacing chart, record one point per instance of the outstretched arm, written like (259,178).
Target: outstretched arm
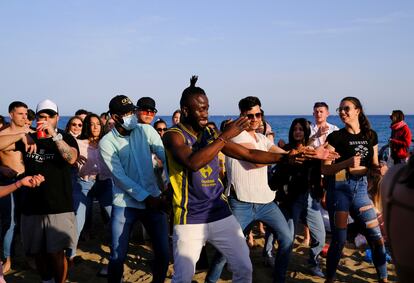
(174,143)
(28,181)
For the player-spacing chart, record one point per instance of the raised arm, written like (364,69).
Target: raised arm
(8,141)
(175,143)
(68,152)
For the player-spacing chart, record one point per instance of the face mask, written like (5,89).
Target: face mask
(130,122)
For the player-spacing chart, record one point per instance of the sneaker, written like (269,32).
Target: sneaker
(269,261)
(316,271)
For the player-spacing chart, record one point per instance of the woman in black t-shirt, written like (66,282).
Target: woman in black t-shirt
(357,145)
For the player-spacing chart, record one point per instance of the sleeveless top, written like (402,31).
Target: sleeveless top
(197,195)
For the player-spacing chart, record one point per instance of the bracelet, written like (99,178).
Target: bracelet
(221,139)
(17,186)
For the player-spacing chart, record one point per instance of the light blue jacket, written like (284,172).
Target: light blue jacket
(130,162)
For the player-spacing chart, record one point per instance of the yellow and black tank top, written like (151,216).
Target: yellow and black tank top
(197,196)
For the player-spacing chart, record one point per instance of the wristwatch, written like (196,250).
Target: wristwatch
(58,137)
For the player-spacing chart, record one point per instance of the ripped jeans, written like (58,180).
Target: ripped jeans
(351,196)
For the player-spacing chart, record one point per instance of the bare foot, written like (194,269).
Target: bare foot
(7,265)
(250,242)
(262,229)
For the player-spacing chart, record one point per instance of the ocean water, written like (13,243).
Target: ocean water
(281,124)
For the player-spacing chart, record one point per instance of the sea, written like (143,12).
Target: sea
(281,124)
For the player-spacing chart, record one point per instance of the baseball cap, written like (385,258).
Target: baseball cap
(47,106)
(146,103)
(121,104)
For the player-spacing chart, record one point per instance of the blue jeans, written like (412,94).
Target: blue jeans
(351,196)
(155,223)
(307,209)
(84,192)
(9,214)
(247,213)
(8,223)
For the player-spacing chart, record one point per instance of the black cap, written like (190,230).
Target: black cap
(121,104)
(146,103)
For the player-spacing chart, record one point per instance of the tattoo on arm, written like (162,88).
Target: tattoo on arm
(65,150)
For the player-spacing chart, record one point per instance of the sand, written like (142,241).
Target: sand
(94,253)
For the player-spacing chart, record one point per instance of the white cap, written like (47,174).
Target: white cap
(47,105)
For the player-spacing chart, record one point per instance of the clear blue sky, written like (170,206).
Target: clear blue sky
(288,53)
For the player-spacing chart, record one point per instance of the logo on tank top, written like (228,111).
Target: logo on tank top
(206,171)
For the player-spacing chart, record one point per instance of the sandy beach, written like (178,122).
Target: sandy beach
(137,267)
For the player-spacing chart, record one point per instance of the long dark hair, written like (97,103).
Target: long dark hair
(68,124)
(86,133)
(306,129)
(364,124)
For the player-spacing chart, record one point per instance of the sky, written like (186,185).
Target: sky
(290,54)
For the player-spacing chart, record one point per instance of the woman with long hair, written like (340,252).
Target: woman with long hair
(93,179)
(302,192)
(347,194)
(74,126)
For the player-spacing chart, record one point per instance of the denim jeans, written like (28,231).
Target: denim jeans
(155,223)
(247,213)
(9,215)
(350,196)
(84,193)
(8,223)
(307,209)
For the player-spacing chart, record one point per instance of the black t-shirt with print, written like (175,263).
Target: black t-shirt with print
(54,195)
(348,145)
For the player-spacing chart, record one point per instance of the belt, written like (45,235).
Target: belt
(344,175)
(341,175)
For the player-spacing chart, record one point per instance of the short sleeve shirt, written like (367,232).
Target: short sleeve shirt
(348,145)
(54,195)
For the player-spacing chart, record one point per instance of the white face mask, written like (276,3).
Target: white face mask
(130,122)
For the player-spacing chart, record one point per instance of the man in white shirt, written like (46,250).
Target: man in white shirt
(251,198)
(320,129)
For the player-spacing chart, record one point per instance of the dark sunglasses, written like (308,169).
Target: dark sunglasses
(251,116)
(345,108)
(161,129)
(76,124)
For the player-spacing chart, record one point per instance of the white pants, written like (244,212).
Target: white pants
(225,234)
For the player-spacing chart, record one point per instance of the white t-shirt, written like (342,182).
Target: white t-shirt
(250,183)
(321,140)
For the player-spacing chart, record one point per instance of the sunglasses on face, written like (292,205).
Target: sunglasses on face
(345,108)
(147,111)
(76,124)
(161,129)
(251,116)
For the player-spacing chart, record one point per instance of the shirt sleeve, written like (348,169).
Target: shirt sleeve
(157,147)
(111,159)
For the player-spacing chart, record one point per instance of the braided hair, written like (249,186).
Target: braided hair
(191,90)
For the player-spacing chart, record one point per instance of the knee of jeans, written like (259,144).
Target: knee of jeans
(285,239)
(339,237)
(369,218)
(244,268)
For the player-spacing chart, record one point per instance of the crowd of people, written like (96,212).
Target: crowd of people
(194,183)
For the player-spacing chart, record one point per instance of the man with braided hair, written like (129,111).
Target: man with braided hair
(201,213)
